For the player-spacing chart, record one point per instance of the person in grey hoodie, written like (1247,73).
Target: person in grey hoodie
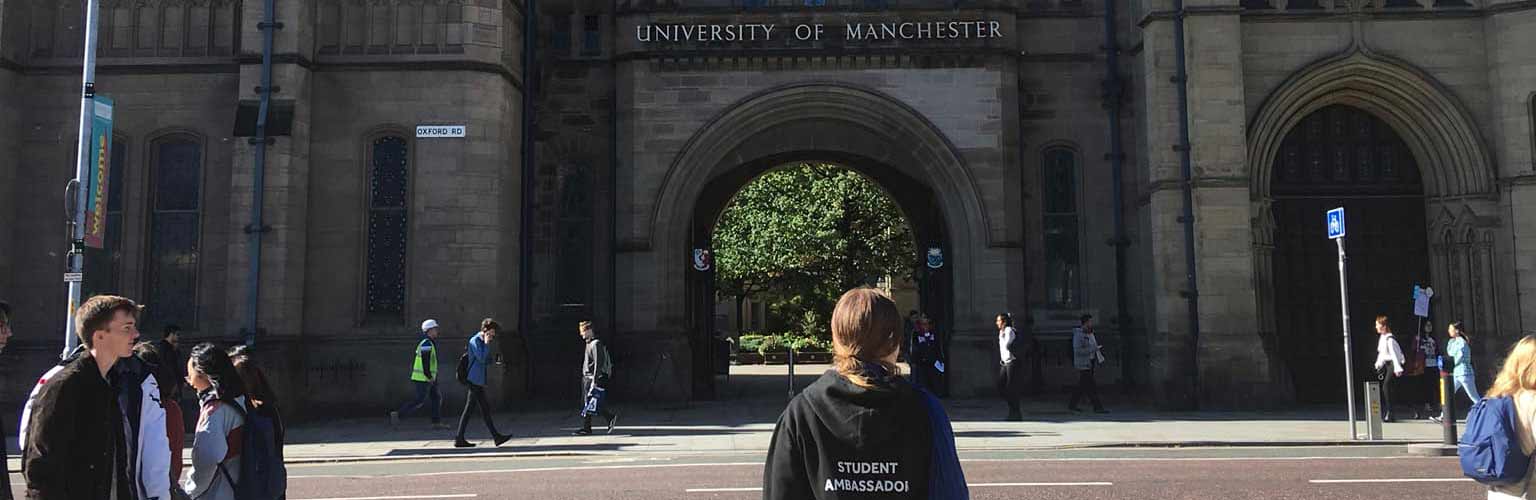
(215,469)
(596,370)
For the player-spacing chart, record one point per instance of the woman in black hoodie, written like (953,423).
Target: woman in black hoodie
(860,431)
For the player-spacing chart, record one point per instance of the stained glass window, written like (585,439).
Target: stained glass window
(175,231)
(102,265)
(388,199)
(1059,205)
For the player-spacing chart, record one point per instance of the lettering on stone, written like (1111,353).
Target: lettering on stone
(899,30)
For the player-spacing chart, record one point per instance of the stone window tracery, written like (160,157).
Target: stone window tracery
(1060,208)
(388,227)
(175,232)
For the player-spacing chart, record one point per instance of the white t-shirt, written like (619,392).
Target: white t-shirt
(1005,337)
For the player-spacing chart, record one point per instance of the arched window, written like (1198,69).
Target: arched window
(103,266)
(388,207)
(175,232)
(1059,206)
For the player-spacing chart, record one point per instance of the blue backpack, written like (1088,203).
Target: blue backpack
(1490,447)
(262,474)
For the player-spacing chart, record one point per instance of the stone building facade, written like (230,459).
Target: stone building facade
(992,123)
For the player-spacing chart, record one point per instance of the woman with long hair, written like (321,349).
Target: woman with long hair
(1517,381)
(175,431)
(1461,358)
(221,396)
(861,428)
(263,399)
(1009,376)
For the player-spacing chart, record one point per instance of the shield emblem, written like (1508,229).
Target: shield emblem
(701,259)
(935,258)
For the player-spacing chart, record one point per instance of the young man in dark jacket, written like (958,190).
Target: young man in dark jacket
(75,447)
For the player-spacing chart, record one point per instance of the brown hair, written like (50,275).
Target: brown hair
(489,324)
(1382,319)
(1519,372)
(97,312)
(865,329)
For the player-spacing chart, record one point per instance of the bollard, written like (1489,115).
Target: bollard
(1373,411)
(1447,405)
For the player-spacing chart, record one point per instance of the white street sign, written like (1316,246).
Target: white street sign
(438,131)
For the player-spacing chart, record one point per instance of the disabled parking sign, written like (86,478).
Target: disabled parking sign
(1336,223)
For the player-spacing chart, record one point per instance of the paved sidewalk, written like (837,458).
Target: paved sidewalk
(747,427)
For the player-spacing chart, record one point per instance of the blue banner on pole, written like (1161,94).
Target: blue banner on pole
(96,180)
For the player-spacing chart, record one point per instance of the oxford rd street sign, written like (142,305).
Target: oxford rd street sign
(1336,223)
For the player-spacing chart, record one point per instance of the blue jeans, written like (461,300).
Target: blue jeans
(1466,383)
(426,392)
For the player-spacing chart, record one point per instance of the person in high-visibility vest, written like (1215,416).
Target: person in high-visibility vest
(424,377)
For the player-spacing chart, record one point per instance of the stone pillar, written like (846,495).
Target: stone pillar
(1232,365)
(286,187)
(1513,138)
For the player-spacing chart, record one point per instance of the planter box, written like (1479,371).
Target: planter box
(781,358)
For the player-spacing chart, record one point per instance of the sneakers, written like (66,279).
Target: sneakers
(463,444)
(584,431)
(613,420)
(503,438)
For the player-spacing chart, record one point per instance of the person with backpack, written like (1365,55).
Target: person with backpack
(1086,354)
(1389,363)
(1010,375)
(218,445)
(472,366)
(861,430)
(424,377)
(596,370)
(258,391)
(1500,437)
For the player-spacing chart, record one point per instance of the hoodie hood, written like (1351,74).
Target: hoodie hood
(856,414)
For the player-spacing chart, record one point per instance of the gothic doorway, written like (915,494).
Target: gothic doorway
(1342,156)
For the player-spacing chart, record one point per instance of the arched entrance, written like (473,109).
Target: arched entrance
(919,207)
(1341,156)
(1329,137)
(840,123)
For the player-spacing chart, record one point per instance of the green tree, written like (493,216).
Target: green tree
(799,236)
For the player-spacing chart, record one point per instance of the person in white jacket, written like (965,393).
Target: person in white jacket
(1086,354)
(1389,363)
(138,394)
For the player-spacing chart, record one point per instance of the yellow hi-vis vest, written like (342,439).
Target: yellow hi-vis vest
(417,374)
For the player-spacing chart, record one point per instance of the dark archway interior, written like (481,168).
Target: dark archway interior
(918,204)
(1340,156)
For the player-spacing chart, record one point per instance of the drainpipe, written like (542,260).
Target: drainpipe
(267,25)
(613,167)
(1186,171)
(1113,91)
(525,224)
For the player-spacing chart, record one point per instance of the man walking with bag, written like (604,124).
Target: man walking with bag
(596,369)
(1086,354)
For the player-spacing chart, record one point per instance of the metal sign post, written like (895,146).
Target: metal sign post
(76,189)
(1335,220)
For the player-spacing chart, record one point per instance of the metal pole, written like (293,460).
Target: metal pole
(1349,368)
(791,372)
(1447,405)
(1186,171)
(259,173)
(76,256)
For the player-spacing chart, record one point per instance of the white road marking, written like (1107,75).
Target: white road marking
(973,485)
(1404,480)
(1089,483)
(540,469)
(406,497)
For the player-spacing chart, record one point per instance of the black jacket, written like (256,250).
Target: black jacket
(75,447)
(839,440)
(5,475)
